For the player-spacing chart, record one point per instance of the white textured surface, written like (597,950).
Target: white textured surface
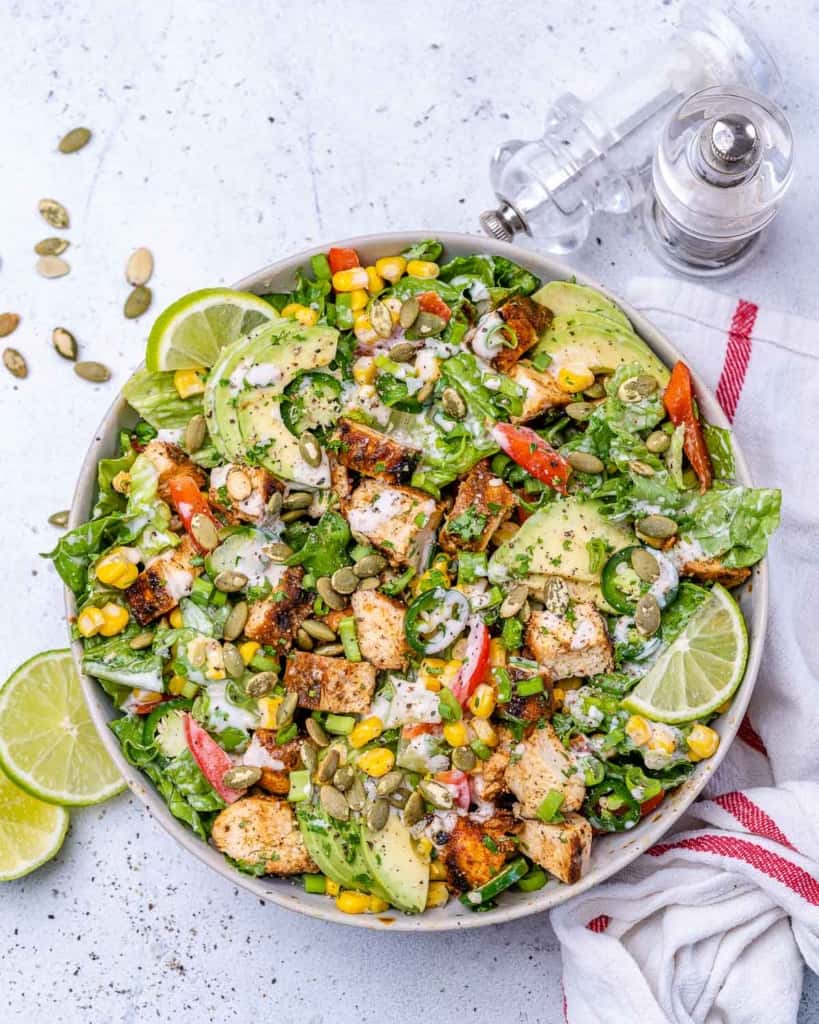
(222,140)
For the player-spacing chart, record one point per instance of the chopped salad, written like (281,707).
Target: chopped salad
(412,580)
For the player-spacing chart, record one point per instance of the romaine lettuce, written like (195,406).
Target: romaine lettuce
(156,399)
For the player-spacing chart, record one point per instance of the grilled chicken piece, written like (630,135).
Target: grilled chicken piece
(483,502)
(340,483)
(241,493)
(563,648)
(163,582)
(380,627)
(330,684)
(489,776)
(563,848)
(262,830)
(170,460)
(539,764)
(277,618)
(400,521)
(541,392)
(276,762)
(710,570)
(372,453)
(528,320)
(532,710)
(468,860)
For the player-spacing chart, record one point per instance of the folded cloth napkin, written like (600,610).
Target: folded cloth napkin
(712,923)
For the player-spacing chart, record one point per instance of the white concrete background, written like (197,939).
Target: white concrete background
(227,134)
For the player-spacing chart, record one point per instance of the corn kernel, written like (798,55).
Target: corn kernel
(376,906)
(450,672)
(375,282)
(305,315)
(364,370)
(248,650)
(574,378)
(364,330)
(482,702)
(268,706)
(430,673)
(437,871)
(558,696)
(176,684)
(391,268)
(442,563)
(702,741)
(437,895)
(497,653)
(423,847)
(662,739)
(376,762)
(332,888)
(188,383)
(350,280)
(455,734)
(116,569)
(90,622)
(116,619)
(365,731)
(175,619)
(485,731)
(350,902)
(423,268)
(638,730)
(393,304)
(359,299)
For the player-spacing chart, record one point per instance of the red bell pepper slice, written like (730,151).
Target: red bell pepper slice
(476,663)
(189,501)
(409,732)
(679,404)
(460,781)
(650,805)
(342,259)
(212,760)
(530,451)
(431,302)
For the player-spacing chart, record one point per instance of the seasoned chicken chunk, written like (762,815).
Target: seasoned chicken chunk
(372,453)
(400,521)
(541,392)
(262,830)
(563,848)
(276,762)
(528,320)
(242,492)
(468,860)
(711,570)
(277,618)
(575,646)
(482,503)
(330,684)
(380,626)
(163,582)
(489,776)
(539,764)
(170,460)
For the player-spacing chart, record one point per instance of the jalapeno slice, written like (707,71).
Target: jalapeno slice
(311,402)
(513,872)
(608,582)
(434,620)
(152,721)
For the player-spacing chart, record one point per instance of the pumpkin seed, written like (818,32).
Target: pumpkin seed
(278,552)
(579,410)
(344,580)
(428,324)
(370,565)
(64,342)
(525,611)
(96,373)
(657,442)
(356,795)
(304,641)
(408,313)
(234,664)
(197,651)
(334,802)
(299,499)
(414,809)
(656,526)
(204,532)
(398,798)
(425,392)
(137,302)
(74,140)
(378,815)
(585,462)
(403,352)
(645,565)
(330,595)
(641,468)
(514,601)
(555,595)
(635,389)
(241,776)
(141,641)
(369,583)
(51,246)
(597,390)
(261,684)
(52,266)
(380,319)
(329,764)
(287,708)
(238,484)
(647,615)
(14,362)
(329,650)
(195,433)
(53,213)
(293,515)
(309,756)
(436,794)
(464,759)
(274,504)
(310,449)
(8,324)
(60,518)
(453,404)
(229,581)
(343,778)
(316,732)
(389,783)
(318,630)
(236,621)
(139,267)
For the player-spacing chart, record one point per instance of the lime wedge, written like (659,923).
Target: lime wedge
(31,831)
(700,670)
(48,744)
(191,331)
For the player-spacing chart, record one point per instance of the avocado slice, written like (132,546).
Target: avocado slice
(393,862)
(338,849)
(565,298)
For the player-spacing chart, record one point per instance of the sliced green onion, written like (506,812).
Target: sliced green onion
(201,590)
(529,687)
(189,690)
(264,663)
(300,787)
(339,725)
(349,638)
(512,634)
(535,880)
(549,810)
(448,706)
(503,684)
(480,750)
(289,732)
(321,267)
(315,883)
(218,599)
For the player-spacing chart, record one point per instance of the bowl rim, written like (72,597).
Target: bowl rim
(282,891)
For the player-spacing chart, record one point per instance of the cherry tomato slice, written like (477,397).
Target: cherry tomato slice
(475,666)
(460,781)
(212,760)
(530,451)
(678,399)
(650,805)
(431,302)
(342,259)
(189,501)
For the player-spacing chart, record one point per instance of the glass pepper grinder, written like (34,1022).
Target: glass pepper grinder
(597,156)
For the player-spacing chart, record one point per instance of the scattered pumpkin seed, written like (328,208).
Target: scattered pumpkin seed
(369,565)
(370,583)
(425,392)
(329,594)
(287,708)
(53,213)
(274,504)
(334,802)
(234,664)
(378,815)
(414,809)
(204,532)
(525,611)
(656,526)
(229,581)
(318,630)
(137,302)
(261,684)
(278,552)
(641,468)
(343,778)
(60,518)
(51,246)
(403,352)
(297,500)
(309,756)
(380,318)
(329,764)
(96,373)
(195,433)
(293,515)
(657,442)
(356,795)
(398,798)
(645,565)
(585,462)
(304,641)
(597,390)
(238,483)
(344,580)
(14,362)
(514,601)
(453,404)
(8,324)
(428,324)
(75,140)
(310,449)
(555,595)
(64,342)
(436,794)
(241,776)
(389,783)
(408,313)
(464,759)
(635,389)
(141,641)
(316,732)
(236,621)
(52,266)
(139,267)
(122,482)
(329,650)
(579,410)
(647,615)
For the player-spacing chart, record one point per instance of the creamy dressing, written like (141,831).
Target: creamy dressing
(411,703)
(488,337)
(178,582)
(223,714)
(258,756)
(171,435)
(387,505)
(253,505)
(685,550)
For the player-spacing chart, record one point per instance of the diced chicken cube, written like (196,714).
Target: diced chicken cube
(711,570)
(262,830)
(539,764)
(330,684)
(275,761)
(564,646)
(482,503)
(540,392)
(169,460)
(470,862)
(277,618)
(489,777)
(562,848)
(372,453)
(163,582)
(380,627)
(400,521)
(242,492)
(528,320)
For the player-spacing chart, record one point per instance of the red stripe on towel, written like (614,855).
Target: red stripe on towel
(748,734)
(752,817)
(599,923)
(737,357)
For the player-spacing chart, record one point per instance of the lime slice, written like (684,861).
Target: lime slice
(700,670)
(31,831)
(191,331)
(48,743)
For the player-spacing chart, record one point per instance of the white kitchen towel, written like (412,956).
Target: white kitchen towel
(711,925)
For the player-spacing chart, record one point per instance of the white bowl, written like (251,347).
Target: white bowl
(609,853)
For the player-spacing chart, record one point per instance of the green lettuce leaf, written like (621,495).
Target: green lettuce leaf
(115,661)
(77,549)
(190,783)
(155,398)
(430,249)
(721,450)
(735,524)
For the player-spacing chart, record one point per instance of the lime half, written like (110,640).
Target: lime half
(191,331)
(700,670)
(31,831)
(48,744)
